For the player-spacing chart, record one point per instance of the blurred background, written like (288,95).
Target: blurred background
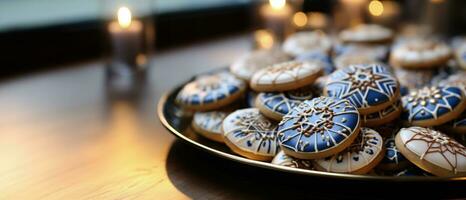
(39,34)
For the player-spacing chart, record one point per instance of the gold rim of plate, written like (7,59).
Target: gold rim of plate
(227,155)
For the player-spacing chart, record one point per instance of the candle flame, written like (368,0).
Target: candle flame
(375,8)
(277,4)
(124,17)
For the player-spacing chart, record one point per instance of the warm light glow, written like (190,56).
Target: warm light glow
(300,19)
(317,20)
(124,17)
(264,39)
(277,4)
(436,1)
(376,8)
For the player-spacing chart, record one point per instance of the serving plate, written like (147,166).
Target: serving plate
(178,123)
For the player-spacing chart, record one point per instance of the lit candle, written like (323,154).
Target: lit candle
(263,39)
(126,36)
(277,15)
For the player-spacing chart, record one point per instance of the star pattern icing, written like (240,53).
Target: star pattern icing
(210,88)
(438,143)
(253,132)
(363,85)
(361,152)
(431,102)
(318,124)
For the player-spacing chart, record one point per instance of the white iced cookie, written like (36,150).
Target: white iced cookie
(285,160)
(250,134)
(308,41)
(420,54)
(286,76)
(359,158)
(209,124)
(366,33)
(245,66)
(432,151)
(346,60)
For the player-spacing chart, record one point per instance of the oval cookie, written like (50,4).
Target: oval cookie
(250,134)
(368,87)
(245,66)
(211,91)
(307,41)
(318,128)
(432,151)
(209,124)
(366,33)
(420,54)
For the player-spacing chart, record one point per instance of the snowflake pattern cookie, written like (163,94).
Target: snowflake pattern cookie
(370,88)
(359,158)
(286,76)
(432,106)
(211,91)
(209,124)
(250,134)
(432,151)
(275,105)
(318,128)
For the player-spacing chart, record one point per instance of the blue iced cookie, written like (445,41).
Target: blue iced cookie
(318,56)
(211,91)
(318,128)
(275,105)
(368,87)
(383,116)
(393,159)
(432,106)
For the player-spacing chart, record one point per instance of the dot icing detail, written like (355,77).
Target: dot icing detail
(366,147)
(282,102)
(250,131)
(431,102)
(284,160)
(208,89)
(435,147)
(363,85)
(210,121)
(318,124)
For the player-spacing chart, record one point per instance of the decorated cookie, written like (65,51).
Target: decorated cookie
(285,160)
(286,76)
(308,41)
(368,87)
(383,116)
(353,59)
(460,55)
(393,159)
(359,158)
(457,79)
(318,128)
(245,66)
(250,134)
(367,33)
(432,106)
(275,105)
(420,54)
(432,151)
(209,124)
(211,91)
(318,56)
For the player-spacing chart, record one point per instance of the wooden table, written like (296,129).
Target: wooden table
(63,135)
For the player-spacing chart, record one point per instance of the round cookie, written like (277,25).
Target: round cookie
(366,33)
(250,134)
(460,55)
(393,159)
(307,41)
(286,76)
(245,66)
(209,124)
(432,106)
(432,151)
(359,158)
(353,59)
(211,91)
(318,128)
(275,105)
(318,56)
(420,54)
(285,160)
(368,87)
(383,116)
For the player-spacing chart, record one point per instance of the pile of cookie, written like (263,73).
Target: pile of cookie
(361,102)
